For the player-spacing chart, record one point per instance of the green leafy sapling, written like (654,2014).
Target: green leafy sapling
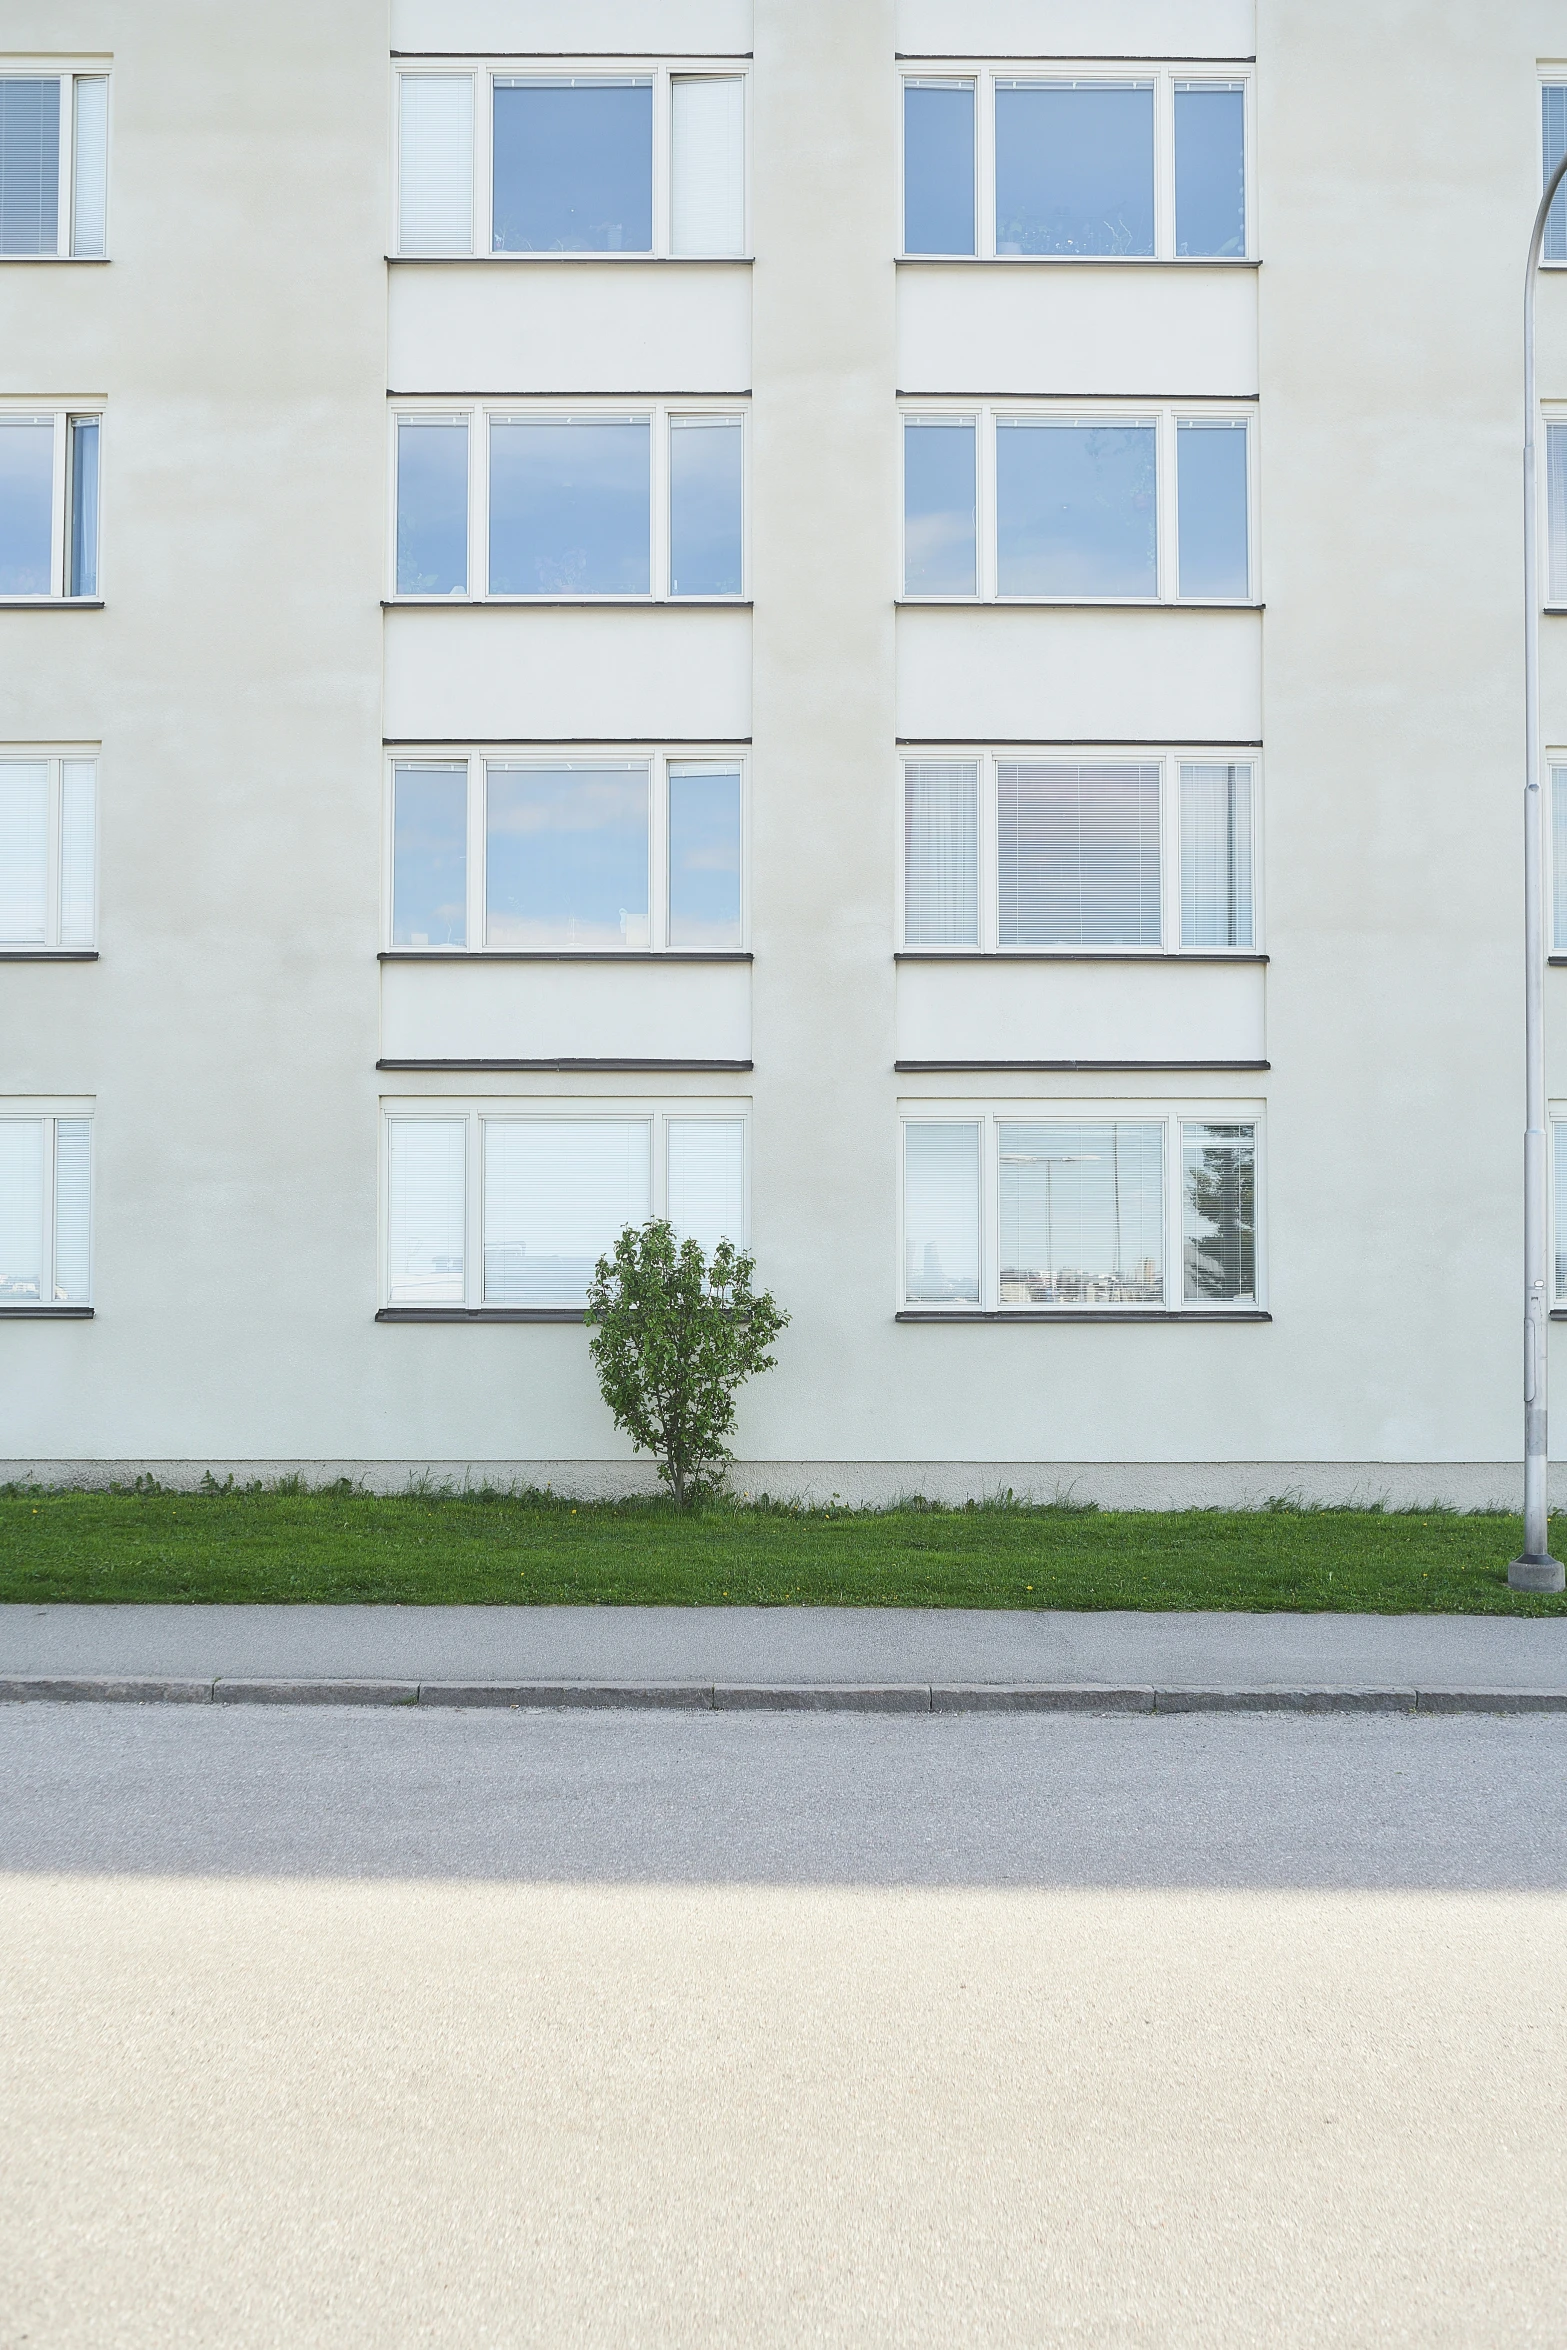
(676,1334)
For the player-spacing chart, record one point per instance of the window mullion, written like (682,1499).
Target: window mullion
(484,160)
(1164,166)
(663,141)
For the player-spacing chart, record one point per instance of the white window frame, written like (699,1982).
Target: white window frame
(1548,76)
(1556,1119)
(1553,594)
(55,756)
(1170,758)
(1166,416)
(48,1110)
(658,758)
(61,416)
(485,72)
(662,416)
(658,1113)
(989,1115)
(68,71)
(985,74)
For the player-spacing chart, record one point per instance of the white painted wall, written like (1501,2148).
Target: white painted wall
(548,326)
(471,1007)
(1015,673)
(1010,1010)
(1001,326)
(611,672)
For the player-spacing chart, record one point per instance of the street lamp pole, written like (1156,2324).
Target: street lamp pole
(1534,1569)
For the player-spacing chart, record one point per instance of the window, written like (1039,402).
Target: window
(1087,1208)
(1055,506)
(645,161)
(47,860)
(45,1208)
(1553,143)
(578,852)
(1556,510)
(508,1206)
(48,504)
(1070,852)
(54,141)
(1559,1200)
(593,503)
(1099,164)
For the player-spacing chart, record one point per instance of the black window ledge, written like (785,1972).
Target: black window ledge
(48,954)
(46,1313)
(1081,955)
(51,603)
(1076,604)
(70,260)
(574,260)
(623,1068)
(1082,1314)
(568,604)
(482,1314)
(1075,261)
(1065,1068)
(564,955)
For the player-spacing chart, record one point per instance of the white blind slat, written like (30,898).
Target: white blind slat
(557,1193)
(940,1212)
(1082,1213)
(1079,854)
(29,164)
(941,853)
(708,165)
(72,1210)
(21,1210)
(24,850)
(1216,860)
(435,163)
(90,164)
(78,824)
(426,1203)
(707,1180)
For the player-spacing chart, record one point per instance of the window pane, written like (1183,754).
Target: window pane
(566,857)
(432,507)
(1216,856)
(426,1202)
(1075,509)
(430,856)
(941,853)
(1219,1214)
(1554,140)
(1082,1214)
(1074,167)
(1556,506)
(90,195)
(21,1210)
(435,163)
(24,850)
(705,497)
(26,500)
(78,824)
(939,508)
(574,167)
(29,166)
(707,164)
(1211,488)
(72,1210)
(570,507)
(1079,855)
(704,857)
(1210,168)
(940,1213)
(1559,860)
(938,167)
(707,1180)
(84,506)
(558,1193)
(1559,1156)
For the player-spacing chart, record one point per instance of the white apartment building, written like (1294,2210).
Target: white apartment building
(889,627)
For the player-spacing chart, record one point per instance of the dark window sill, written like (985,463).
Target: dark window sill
(1081,955)
(48,954)
(68,260)
(46,1313)
(566,1068)
(482,1314)
(563,955)
(1075,261)
(566,603)
(572,260)
(51,603)
(1068,1068)
(1076,604)
(1082,1314)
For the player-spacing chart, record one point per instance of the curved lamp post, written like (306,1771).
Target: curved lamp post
(1534,1569)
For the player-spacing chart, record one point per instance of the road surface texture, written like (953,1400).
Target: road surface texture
(481,2029)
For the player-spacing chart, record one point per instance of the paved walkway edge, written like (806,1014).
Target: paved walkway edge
(901,1697)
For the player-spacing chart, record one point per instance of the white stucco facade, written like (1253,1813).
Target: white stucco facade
(248,674)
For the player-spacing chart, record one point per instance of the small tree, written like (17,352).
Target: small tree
(676,1333)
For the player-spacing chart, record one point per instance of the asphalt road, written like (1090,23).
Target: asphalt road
(475,2029)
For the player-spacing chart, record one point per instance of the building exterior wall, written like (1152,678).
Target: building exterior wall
(243,678)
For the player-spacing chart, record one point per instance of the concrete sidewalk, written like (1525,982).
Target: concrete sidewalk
(899,1659)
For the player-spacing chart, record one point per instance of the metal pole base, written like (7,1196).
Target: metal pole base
(1536,1571)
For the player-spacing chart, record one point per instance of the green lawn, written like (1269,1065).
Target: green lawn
(338,1544)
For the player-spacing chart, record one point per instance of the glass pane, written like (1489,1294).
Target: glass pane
(24,850)
(29,166)
(574,167)
(1219,1214)
(558,1192)
(704,857)
(938,167)
(566,857)
(78,824)
(430,856)
(72,1211)
(1082,1214)
(1553,128)
(435,163)
(707,164)
(705,500)
(941,853)
(1074,167)
(21,1210)
(26,501)
(940,1214)
(1210,169)
(939,508)
(84,506)
(1211,485)
(1216,856)
(426,1203)
(1559,860)
(432,507)
(570,507)
(1076,509)
(91,160)
(707,1180)
(1556,512)
(1079,855)
(1559,1155)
